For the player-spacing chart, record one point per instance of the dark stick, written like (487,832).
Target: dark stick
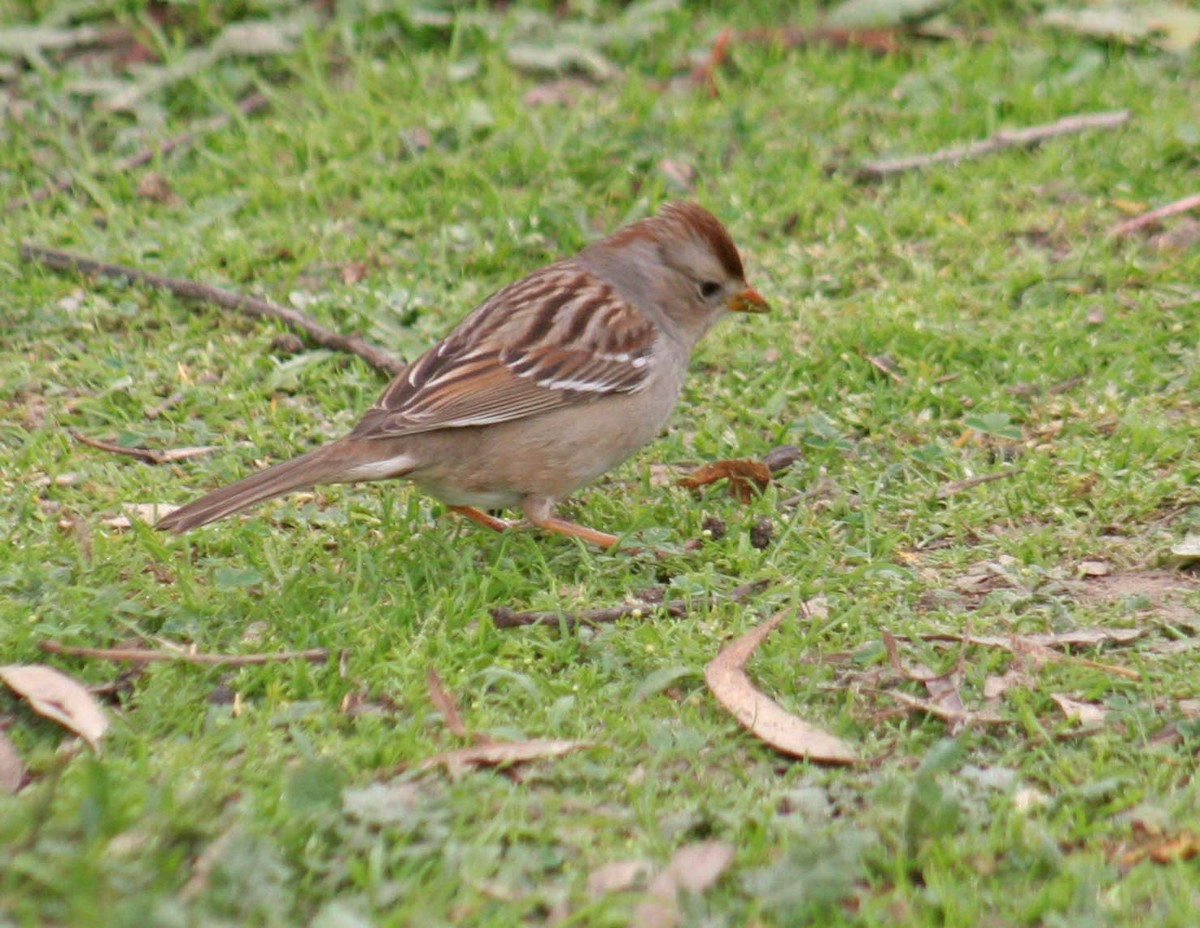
(1005,138)
(251,104)
(1137,223)
(503,617)
(226,299)
(146,656)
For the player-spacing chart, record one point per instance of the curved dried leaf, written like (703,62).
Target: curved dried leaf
(502,753)
(696,867)
(55,695)
(761,715)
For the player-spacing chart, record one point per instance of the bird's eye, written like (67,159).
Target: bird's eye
(709,289)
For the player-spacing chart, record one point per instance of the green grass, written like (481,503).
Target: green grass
(975,279)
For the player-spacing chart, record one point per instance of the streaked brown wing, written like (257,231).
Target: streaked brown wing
(559,336)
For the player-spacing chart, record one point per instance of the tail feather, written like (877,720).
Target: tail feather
(319,466)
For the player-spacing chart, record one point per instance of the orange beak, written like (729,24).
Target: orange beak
(747,301)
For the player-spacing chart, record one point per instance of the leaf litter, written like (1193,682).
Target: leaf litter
(762,716)
(57,696)
(693,868)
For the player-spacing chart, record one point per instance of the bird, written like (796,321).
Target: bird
(546,385)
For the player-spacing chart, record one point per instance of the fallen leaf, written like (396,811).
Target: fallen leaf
(1028,798)
(501,754)
(618,876)
(745,475)
(154,185)
(698,866)
(12,770)
(1170,26)
(444,703)
(1188,549)
(1079,637)
(53,694)
(759,714)
(30,40)
(961,717)
(1076,710)
(693,868)
(384,804)
(354,271)
(1181,847)
(538,58)
(994,687)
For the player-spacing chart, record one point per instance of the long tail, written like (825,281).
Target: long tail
(323,465)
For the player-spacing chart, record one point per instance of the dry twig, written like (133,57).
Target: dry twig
(1005,138)
(147,655)
(503,617)
(1137,223)
(189,289)
(954,487)
(251,104)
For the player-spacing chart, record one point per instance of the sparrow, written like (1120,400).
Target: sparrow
(546,385)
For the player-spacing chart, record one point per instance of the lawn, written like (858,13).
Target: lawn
(993,394)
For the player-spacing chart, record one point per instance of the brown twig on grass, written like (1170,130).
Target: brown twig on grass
(148,455)
(999,141)
(189,289)
(503,617)
(703,75)
(1137,223)
(251,104)
(147,656)
(954,487)
(877,41)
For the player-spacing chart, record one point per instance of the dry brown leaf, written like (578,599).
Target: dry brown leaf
(154,185)
(1088,713)
(618,876)
(694,868)
(745,477)
(942,688)
(501,754)
(697,866)
(762,716)
(961,716)
(994,687)
(53,694)
(1153,842)
(353,272)
(1079,637)
(12,770)
(444,703)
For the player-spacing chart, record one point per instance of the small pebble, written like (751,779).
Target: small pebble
(762,533)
